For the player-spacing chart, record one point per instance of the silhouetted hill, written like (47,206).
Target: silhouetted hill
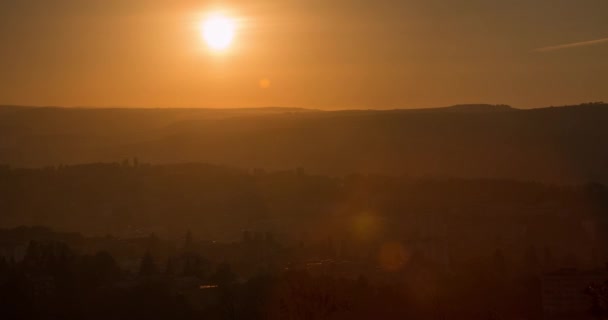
(478,108)
(135,198)
(557,144)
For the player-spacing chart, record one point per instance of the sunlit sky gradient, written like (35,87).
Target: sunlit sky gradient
(313,53)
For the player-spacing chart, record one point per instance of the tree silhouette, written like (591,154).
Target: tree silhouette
(599,300)
(148,266)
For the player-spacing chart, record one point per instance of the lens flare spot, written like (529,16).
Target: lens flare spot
(366,226)
(393,256)
(264,83)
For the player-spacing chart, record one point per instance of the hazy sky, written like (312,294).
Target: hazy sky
(314,53)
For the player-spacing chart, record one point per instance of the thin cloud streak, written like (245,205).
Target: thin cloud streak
(572,45)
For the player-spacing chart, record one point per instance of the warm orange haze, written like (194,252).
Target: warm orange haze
(317,54)
(304,159)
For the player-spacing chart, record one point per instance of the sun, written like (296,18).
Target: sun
(218,32)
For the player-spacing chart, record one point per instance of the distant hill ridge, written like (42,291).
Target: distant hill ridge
(454,108)
(478,108)
(553,144)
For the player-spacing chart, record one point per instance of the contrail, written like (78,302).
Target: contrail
(572,45)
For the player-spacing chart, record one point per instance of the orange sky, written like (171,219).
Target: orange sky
(311,53)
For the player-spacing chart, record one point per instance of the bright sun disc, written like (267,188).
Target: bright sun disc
(218,32)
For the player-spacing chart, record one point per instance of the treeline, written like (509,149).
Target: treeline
(52,281)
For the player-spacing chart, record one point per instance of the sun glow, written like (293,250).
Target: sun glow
(218,32)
